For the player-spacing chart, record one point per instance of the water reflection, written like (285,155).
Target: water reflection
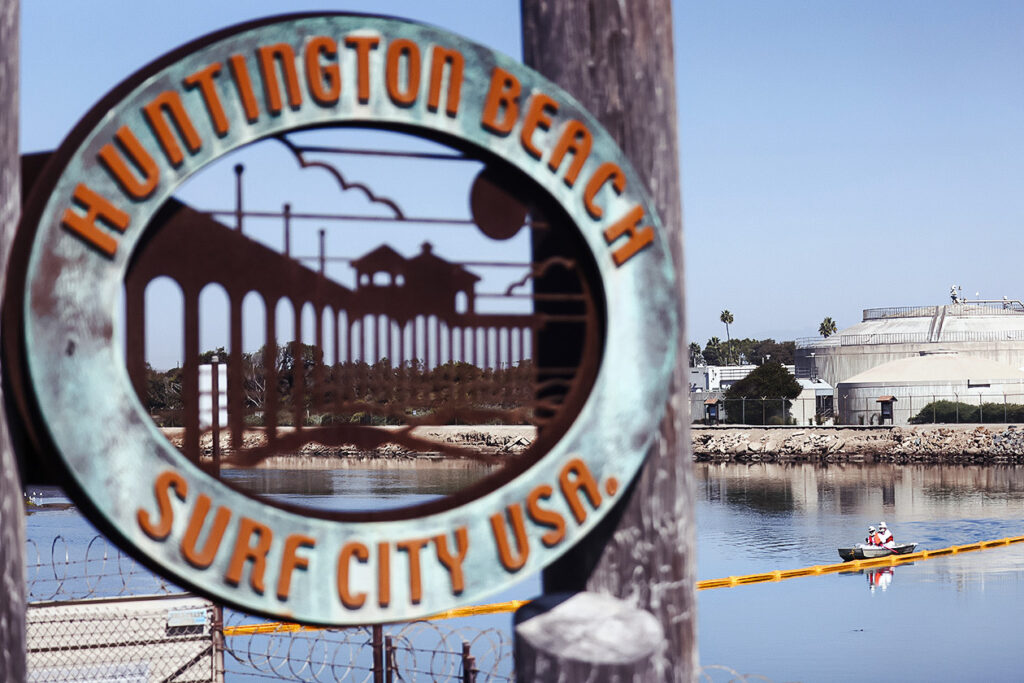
(878,578)
(954,617)
(359,487)
(853,488)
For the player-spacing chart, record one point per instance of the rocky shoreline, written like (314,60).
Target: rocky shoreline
(497,441)
(954,444)
(958,444)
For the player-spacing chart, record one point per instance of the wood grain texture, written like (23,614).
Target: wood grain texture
(12,519)
(616,58)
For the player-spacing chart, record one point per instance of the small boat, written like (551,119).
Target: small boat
(862,551)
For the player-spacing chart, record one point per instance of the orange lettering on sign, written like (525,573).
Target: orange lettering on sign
(164,483)
(290,561)
(362,45)
(544,517)
(638,237)
(399,50)
(455,62)
(539,110)
(501,108)
(511,562)
(283,56)
(453,563)
(413,548)
(96,207)
(324,79)
(246,551)
(383,574)
(573,477)
(204,558)
(577,140)
(203,79)
(608,171)
(133,186)
(361,553)
(168,104)
(240,76)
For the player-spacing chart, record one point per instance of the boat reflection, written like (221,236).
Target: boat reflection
(879,579)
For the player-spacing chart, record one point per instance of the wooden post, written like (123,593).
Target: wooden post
(12,513)
(616,58)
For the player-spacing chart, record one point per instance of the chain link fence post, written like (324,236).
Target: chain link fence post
(390,668)
(468,664)
(377,644)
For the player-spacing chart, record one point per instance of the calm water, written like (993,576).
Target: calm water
(956,618)
(948,619)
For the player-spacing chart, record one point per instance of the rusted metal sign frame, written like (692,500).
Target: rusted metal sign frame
(63,317)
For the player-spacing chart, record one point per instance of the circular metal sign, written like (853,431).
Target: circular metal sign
(191,107)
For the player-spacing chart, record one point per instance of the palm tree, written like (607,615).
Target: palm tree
(713,352)
(827,327)
(727,318)
(696,357)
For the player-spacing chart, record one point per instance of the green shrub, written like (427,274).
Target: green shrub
(948,412)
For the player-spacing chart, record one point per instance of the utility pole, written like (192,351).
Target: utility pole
(12,513)
(617,59)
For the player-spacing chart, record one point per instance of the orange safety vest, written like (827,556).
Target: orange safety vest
(873,539)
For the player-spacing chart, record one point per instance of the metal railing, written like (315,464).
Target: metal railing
(980,307)
(907,338)
(898,312)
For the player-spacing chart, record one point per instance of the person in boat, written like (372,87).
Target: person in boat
(885,536)
(873,537)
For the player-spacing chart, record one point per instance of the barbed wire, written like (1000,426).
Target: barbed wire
(67,570)
(413,651)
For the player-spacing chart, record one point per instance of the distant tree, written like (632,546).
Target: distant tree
(726,317)
(163,389)
(206,357)
(696,357)
(752,351)
(769,349)
(714,353)
(827,327)
(762,397)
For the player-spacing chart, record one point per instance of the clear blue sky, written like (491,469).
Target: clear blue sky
(835,156)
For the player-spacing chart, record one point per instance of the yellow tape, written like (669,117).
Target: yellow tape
(887,561)
(729,581)
(285,627)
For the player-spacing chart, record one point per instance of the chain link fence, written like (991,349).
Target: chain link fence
(97,615)
(914,408)
(860,409)
(752,411)
(161,638)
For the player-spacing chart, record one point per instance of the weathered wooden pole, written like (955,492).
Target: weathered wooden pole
(12,518)
(616,58)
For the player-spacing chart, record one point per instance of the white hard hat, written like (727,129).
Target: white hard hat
(871,528)
(881,524)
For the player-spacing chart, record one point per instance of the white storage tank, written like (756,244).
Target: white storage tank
(912,384)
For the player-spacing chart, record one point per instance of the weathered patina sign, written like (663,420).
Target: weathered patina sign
(142,141)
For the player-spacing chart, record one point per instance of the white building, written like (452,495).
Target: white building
(705,378)
(988,329)
(916,382)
